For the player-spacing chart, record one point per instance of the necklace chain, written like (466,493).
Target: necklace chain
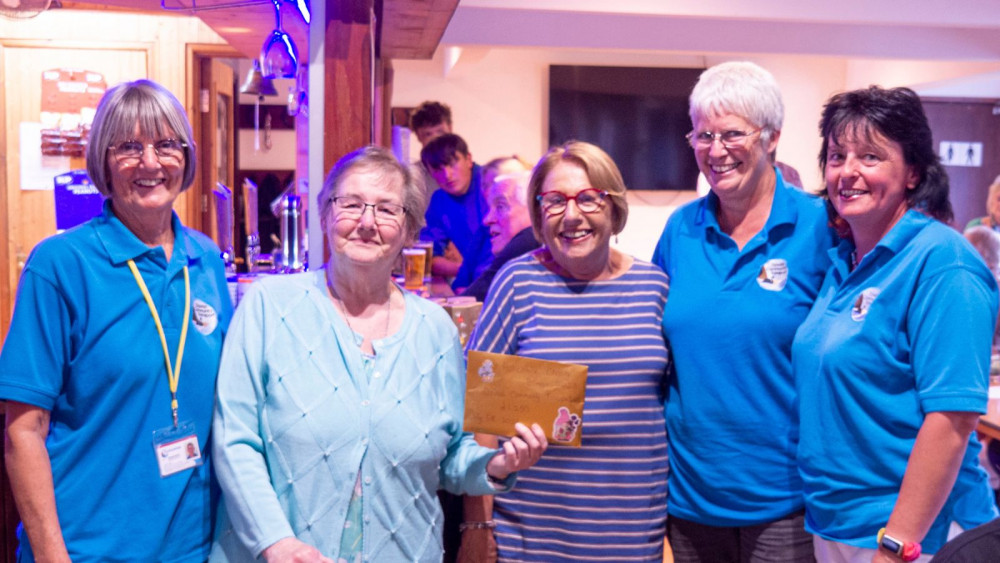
(347,318)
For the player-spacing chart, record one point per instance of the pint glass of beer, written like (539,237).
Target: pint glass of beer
(413,268)
(428,247)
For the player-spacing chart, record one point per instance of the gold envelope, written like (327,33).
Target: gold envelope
(501,390)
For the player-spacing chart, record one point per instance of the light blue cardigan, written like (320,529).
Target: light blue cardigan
(296,419)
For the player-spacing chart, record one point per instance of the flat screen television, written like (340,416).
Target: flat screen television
(639,116)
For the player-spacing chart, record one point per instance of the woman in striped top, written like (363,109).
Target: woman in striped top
(578,300)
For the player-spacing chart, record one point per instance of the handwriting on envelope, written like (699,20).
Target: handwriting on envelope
(501,390)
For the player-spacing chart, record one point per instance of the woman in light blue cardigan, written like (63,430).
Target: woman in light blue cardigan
(340,396)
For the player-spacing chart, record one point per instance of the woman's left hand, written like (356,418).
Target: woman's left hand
(520,452)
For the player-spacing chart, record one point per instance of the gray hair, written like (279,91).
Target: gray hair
(159,116)
(986,241)
(740,88)
(520,182)
(381,161)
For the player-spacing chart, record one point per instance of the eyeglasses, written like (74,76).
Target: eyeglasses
(168,151)
(588,201)
(351,207)
(730,139)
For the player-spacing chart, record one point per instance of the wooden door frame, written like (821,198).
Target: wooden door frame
(195,54)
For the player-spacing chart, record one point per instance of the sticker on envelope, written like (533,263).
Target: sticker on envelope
(501,390)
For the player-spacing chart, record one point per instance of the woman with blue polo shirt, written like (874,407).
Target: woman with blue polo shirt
(892,363)
(109,366)
(745,263)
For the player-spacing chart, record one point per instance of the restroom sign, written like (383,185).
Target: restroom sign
(959,153)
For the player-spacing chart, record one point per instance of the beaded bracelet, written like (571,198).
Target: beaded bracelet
(487,525)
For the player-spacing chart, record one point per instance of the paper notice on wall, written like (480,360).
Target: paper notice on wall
(38,170)
(69,102)
(960,153)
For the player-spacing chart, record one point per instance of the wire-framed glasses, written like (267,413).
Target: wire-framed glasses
(733,138)
(587,201)
(352,207)
(168,151)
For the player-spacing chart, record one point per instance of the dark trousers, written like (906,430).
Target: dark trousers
(452,507)
(782,541)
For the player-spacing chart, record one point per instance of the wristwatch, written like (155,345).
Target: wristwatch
(905,550)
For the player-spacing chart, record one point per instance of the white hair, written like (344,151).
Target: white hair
(740,88)
(986,241)
(520,182)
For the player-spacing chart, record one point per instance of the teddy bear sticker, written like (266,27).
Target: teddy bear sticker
(486,372)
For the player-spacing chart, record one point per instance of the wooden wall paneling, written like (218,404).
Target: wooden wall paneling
(383,103)
(347,120)
(8,512)
(31,213)
(6,289)
(167,36)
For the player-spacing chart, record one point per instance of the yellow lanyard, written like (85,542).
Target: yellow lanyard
(173,373)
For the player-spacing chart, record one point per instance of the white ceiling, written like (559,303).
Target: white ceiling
(962,30)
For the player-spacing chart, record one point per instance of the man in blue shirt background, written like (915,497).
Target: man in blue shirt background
(456,211)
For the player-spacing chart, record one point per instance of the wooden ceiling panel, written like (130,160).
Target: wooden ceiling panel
(411,29)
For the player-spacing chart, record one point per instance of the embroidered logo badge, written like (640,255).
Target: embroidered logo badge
(204,317)
(864,302)
(773,274)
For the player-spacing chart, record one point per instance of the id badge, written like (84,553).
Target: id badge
(177,449)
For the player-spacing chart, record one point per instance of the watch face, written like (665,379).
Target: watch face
(891,544)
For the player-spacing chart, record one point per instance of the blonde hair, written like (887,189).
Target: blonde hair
(601,171)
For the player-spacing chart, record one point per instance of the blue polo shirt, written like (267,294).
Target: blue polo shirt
(906,333)
(83,345)
(730,320)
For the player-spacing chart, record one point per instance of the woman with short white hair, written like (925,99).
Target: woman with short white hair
(745,264)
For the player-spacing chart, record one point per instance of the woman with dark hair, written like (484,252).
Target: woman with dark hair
(892,362)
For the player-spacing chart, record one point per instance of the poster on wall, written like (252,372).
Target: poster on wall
(48,146)
(69,101)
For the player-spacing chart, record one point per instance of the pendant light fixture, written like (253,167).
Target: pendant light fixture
(279,57)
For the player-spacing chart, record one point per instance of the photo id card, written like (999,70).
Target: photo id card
(176,449)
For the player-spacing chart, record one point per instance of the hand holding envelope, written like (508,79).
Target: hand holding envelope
(520,452)
(503,390)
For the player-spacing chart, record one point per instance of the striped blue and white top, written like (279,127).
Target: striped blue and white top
(607,500)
